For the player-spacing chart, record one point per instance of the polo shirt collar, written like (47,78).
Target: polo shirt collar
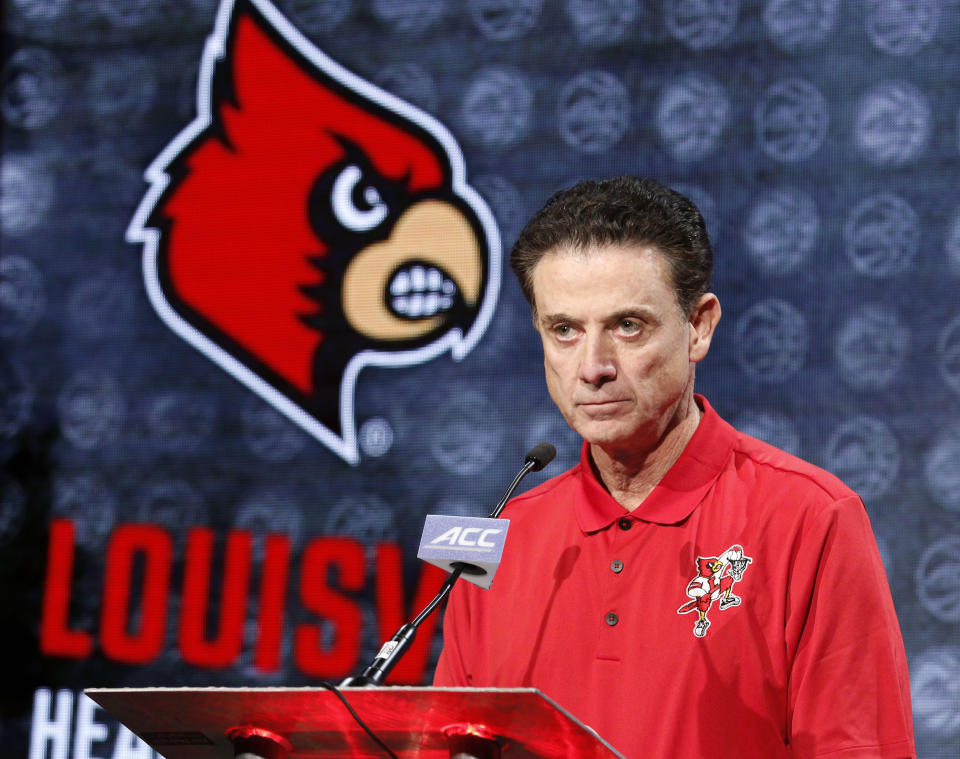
(677,494)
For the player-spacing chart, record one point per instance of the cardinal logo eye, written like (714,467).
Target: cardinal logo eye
(352,204)
(358,207)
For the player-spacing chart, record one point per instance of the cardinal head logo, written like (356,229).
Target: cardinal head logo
(308,224)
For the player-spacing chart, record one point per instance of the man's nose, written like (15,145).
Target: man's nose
(599,364)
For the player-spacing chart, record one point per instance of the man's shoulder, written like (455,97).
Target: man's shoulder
(773,466)
(761,465)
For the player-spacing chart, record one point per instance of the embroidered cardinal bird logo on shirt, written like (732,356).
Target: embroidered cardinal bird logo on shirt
(716,576)
(308,224)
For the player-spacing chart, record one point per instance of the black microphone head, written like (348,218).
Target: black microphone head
(541,454)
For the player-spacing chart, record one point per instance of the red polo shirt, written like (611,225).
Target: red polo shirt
(741,611)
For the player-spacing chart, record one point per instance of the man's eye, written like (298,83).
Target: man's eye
(562,330)
(629,326)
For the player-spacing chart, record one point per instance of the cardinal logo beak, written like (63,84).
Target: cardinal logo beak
(427,276)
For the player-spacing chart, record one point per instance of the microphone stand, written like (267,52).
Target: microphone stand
(391,651)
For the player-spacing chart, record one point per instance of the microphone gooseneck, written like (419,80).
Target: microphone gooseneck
(391,651)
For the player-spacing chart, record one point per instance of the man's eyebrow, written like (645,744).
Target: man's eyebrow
(635,312)
(558,317)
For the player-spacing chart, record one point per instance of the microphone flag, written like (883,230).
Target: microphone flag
(473,542)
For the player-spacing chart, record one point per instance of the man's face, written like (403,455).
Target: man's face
(618,352)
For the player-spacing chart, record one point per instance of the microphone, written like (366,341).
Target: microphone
(475,530)
(474,546)
(541,454)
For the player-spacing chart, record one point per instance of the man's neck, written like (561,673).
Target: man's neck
(630,476)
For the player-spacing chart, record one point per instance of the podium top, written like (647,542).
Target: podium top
(191,723)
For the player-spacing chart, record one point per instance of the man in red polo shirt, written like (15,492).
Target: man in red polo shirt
(686,590)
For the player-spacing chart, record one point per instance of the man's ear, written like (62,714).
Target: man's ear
(703,321)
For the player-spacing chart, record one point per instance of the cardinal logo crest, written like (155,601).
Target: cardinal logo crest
(716,576)
(308,224)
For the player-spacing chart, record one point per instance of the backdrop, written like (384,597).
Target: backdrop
(221,424)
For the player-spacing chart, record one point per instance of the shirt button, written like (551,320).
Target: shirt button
(616,566)
(611,619)
(624,524)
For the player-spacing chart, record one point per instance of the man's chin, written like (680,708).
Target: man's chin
(604,433)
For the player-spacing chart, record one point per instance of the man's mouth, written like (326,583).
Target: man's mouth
(600,405)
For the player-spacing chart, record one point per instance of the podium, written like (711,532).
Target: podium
(294,723)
